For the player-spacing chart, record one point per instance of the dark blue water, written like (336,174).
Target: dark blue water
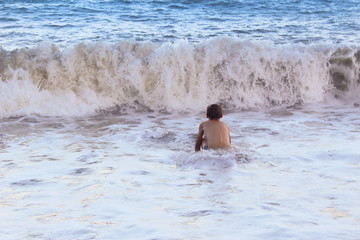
(25,23)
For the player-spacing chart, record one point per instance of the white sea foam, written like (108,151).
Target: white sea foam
(174,76)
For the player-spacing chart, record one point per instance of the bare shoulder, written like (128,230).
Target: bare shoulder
(222,123)
(225,125)
(202,125)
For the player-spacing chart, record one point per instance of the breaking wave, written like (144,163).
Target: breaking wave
(97,76)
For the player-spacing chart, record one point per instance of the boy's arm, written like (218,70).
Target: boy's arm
(199,138)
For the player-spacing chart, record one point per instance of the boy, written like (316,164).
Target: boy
(213,134)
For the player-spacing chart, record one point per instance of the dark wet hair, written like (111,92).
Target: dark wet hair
(214,111)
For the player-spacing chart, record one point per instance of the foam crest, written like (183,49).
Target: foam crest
(179,76)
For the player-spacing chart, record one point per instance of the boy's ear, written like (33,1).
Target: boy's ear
(207,116)
(221,116)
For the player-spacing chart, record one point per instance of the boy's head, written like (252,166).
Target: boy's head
(214,111)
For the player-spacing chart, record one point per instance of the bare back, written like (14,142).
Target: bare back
(214,133)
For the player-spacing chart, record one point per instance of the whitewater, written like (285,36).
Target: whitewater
(100,104)
(94,77)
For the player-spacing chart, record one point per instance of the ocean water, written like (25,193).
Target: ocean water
(100,103)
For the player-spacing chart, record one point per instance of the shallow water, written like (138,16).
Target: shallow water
(293,174)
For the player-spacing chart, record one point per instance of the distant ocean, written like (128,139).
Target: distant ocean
(100,103)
